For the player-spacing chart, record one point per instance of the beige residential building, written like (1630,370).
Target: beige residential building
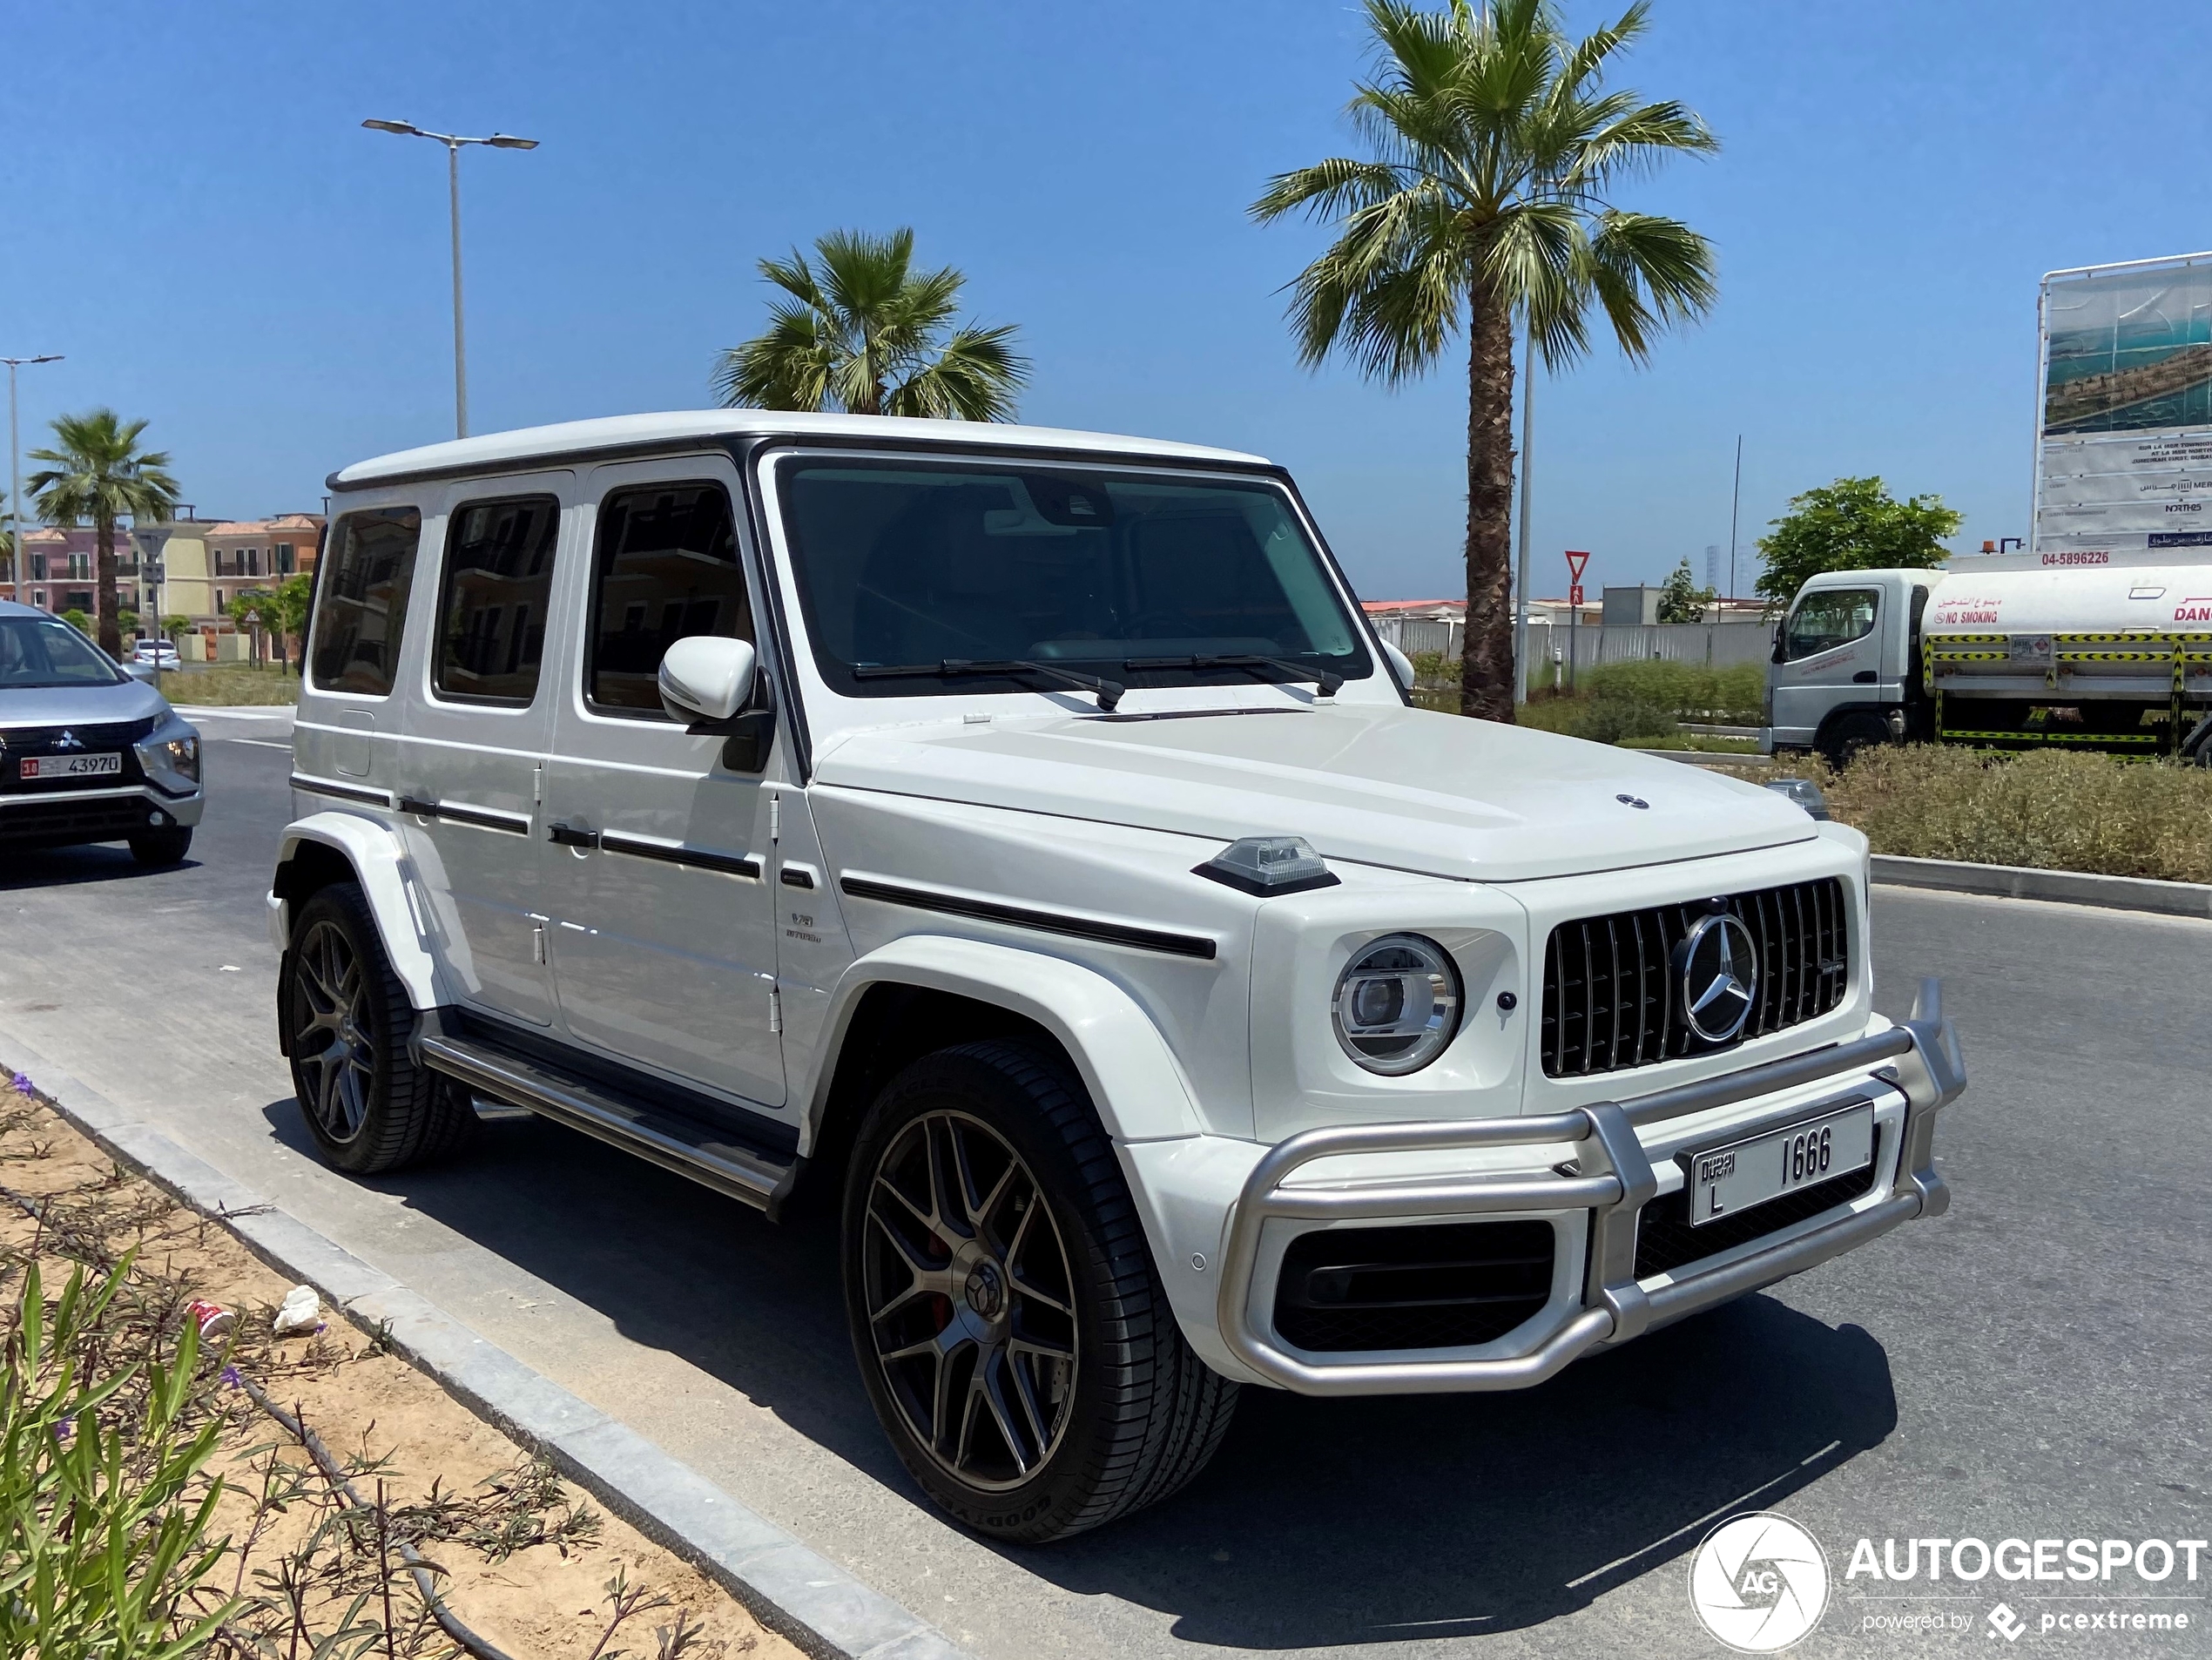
(207,564)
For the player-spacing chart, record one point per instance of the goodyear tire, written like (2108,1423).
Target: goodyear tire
(345,1022)
(1009,1325)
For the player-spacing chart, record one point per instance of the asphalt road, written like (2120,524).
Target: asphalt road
(2033,1364)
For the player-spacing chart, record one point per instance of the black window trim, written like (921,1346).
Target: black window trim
(326,546)
(589,623)
(435,693)
(770,450)
(1791,621)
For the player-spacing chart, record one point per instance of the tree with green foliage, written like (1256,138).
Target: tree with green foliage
(176,627)
(251,608)
(1852,524)
(1486,198)
(292,596)
(1681,600)
(863,332)
(78,620)
(96,472)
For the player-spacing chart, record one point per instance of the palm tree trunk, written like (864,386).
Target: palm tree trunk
(1486,662)
(111,625)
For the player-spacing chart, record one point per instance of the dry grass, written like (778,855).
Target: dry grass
(305,1571)
(2050,809)
(231,685)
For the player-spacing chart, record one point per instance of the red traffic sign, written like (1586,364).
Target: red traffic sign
(1576,562)
(1574,593)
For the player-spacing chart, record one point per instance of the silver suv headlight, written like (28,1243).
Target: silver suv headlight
(1396,1003)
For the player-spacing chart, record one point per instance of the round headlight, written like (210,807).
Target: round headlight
(1396,1003)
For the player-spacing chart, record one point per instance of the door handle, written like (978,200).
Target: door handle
(1864,677)
(570,835)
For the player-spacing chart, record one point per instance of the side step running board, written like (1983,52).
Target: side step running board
(702,1151)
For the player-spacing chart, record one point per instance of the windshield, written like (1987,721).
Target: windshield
(46,652)
(1148,579)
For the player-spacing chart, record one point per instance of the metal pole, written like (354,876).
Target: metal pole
(1735,502)
(15,492)
(1520,604)
(460,350)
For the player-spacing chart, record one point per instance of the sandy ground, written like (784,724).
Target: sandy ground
(530,1561)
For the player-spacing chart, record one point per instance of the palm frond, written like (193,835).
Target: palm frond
(864,332)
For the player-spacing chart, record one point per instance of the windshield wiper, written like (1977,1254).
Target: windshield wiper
(1109,692)
(1283,665)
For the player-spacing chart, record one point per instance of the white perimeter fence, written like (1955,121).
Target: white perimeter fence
(1557,655)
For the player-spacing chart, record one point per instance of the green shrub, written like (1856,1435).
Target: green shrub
(104,1510)
(1686,691)
(2049,809)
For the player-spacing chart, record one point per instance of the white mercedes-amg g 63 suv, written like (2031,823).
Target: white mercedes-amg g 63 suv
(1019,841)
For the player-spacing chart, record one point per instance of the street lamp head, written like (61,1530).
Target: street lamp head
(503,141)
(50,357)
(408,127)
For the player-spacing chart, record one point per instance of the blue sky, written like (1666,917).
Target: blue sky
(197,219)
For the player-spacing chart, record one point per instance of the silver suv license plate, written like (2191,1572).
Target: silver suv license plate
(1724,1181)
(68,765)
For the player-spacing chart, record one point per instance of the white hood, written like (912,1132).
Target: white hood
(1373,783)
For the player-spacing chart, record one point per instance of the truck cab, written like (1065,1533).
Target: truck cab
(1847,670)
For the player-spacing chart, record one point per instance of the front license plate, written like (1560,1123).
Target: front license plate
(68,765)
(1725,1181)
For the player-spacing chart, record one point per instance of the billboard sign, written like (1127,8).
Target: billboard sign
(2123,453)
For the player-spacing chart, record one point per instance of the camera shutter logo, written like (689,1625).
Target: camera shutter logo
(1720,976)
(1758,1583)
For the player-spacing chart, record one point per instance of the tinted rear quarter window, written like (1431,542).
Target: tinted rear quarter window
(665,568)
(360,601)
(496,587)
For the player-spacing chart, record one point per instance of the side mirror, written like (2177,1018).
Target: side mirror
(1777,655)
(1400,665)
(706,678)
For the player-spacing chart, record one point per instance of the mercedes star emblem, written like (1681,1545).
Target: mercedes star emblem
(1720,978)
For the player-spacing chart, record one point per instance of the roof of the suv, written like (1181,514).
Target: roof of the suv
(631,434)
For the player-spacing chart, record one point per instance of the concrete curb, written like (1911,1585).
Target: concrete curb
(2065,887)
(803,1596)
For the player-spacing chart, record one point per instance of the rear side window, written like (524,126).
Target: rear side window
(1833,618)
(665,568)
(497,584)
(360,601)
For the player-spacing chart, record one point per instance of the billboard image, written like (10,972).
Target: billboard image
(2124,446)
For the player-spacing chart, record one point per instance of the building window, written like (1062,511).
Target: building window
(80,567)
(38,571)
(284,559)
(219,599)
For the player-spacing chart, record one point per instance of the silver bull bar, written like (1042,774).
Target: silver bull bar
(1615,1183)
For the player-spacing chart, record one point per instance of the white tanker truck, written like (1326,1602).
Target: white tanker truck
(2093,649)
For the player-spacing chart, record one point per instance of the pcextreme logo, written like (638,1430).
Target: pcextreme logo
(1758,1583)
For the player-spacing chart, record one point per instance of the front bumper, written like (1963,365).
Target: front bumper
(72,818)
(1611,1181)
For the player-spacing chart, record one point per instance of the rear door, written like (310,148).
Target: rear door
(1831,655)
(665,948)
(477,726)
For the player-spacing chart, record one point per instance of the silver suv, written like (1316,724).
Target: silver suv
(87,753)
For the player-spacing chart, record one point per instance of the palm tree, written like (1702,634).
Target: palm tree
(1485,200)
(867,333)
(98,472)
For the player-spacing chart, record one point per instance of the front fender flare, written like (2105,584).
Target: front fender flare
(1135,1081)
(380,864)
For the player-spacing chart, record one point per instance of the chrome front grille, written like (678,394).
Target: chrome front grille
(1613,994)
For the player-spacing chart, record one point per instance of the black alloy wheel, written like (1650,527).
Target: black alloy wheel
(1012,1331)
(970,1301)
(344,1020)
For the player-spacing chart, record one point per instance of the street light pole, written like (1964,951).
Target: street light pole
(453,142)
(14,473)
